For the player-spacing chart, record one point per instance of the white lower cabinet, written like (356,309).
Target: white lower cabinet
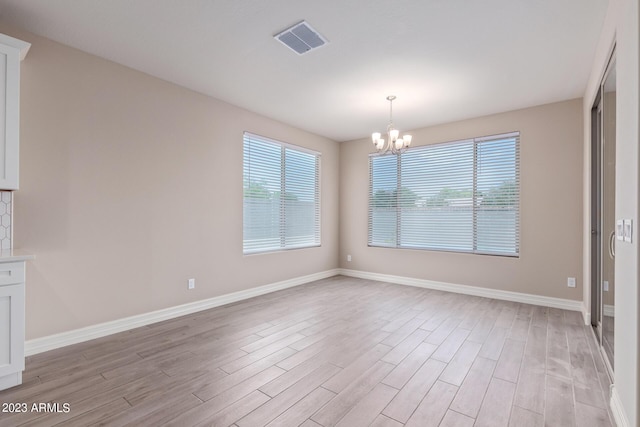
(12,310)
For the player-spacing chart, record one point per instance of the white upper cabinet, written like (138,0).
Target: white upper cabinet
(12,51)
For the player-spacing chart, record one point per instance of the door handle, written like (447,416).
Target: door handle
(612,244)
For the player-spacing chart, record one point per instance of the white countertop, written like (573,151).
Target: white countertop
(8,255)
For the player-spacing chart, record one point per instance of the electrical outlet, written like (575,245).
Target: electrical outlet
(348,258)
(191,284)
(605,286)
(571,282)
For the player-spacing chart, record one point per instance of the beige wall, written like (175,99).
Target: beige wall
(551,207)
(130,185)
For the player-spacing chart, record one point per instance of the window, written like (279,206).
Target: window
(457,196)
(281,203)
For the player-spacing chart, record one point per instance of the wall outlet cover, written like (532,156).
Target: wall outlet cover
(571,282)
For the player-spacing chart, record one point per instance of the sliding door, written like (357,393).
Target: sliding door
(603,224)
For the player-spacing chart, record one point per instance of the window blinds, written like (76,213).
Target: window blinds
(457,196)
(281,203)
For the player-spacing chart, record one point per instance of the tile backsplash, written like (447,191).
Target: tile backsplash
(6,214)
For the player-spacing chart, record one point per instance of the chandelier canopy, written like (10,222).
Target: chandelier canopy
(396,144)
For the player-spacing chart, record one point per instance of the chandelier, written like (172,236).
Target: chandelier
(396,144)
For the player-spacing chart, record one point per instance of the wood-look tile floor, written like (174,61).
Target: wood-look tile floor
(340,351)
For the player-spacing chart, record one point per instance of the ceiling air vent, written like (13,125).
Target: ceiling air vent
(301,38)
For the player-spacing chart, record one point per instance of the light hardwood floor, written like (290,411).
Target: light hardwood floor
(340,351)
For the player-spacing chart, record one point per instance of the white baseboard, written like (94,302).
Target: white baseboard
(564,304)
(586,315)
(617,410)
(609,310)
(39,345)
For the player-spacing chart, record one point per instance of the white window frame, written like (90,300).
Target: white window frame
(284,242)
(474,204)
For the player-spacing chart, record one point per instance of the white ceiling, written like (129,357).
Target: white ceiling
(445,60)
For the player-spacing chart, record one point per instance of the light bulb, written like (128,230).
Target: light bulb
(399,143)
(407,140)
(375,137)
(393,134)
(380,144)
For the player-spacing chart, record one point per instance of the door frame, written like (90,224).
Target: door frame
(596,178)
